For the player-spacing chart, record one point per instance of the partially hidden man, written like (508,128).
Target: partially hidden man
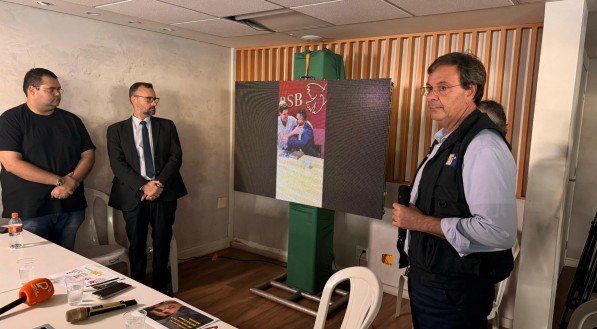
(145,156)
(46,153)
(462,218)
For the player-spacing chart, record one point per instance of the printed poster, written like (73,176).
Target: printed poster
(301,141)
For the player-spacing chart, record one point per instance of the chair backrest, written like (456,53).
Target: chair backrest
(363,304)
(88,229)
(582,313)
(501,287)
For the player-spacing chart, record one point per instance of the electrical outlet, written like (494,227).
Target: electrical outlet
(222,202)
(362,253)
(387,259)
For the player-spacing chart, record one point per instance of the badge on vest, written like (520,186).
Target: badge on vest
(452,160)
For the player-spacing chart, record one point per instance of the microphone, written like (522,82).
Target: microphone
(32,292)
(403,199)
(82,313)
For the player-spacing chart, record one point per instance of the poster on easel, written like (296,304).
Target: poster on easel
(301,141)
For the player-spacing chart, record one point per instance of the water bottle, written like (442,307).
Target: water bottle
(15,231)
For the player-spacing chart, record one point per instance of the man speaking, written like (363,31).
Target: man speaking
(462,217)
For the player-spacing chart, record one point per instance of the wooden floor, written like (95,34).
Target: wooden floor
(221,287)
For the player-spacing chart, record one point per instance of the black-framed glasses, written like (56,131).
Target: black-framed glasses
(51,90)
(149,99)
(441,90)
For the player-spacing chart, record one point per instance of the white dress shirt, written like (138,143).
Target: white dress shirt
(489,179)
(138,134)
(285,130)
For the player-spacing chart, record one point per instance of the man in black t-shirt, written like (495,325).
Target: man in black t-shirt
(46,153)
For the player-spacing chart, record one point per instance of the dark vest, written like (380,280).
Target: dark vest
(433,260)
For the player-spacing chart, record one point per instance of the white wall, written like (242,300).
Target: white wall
(555,107)
(96,63)
(260,224)
(584,203)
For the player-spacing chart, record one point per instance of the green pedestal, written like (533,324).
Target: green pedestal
(311,229)
(310,247)
(323,65)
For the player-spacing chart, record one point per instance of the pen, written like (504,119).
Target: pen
(95,284)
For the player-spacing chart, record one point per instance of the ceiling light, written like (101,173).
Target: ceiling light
(315,4)
(167,29)
(134,22)
(91,13)
(113,3)
(197,21)
(44,3)
(311,38)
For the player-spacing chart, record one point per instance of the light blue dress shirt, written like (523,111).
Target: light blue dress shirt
(489,179)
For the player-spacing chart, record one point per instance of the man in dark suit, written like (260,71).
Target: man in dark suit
(145,156)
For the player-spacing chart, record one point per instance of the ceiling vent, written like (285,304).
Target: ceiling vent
(249,19)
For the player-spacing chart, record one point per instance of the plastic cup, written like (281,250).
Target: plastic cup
(307,162)
(26,269)
(74,290)
(134,319)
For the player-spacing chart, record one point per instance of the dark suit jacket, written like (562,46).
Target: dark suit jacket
(124,161)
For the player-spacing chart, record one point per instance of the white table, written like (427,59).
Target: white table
(51,258)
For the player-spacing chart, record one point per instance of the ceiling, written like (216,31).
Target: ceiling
(252,23)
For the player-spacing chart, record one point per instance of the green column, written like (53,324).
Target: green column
(311,229)
(310,247)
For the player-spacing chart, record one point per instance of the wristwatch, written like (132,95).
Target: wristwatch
(60,181)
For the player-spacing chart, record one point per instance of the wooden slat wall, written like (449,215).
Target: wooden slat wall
(508,53)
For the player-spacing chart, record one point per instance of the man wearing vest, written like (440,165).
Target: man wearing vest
(462,218)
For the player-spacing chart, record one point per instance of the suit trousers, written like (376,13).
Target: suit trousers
(434,308)
(160,215)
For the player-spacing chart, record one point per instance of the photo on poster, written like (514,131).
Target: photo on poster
(175,314)
(300,150)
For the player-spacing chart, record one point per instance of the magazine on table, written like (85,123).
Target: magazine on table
(91,274)
(176,314)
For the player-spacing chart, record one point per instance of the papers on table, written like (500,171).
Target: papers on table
(90,273)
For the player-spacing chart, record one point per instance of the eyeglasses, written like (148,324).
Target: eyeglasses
(149,99)
(441,90)
(51,90)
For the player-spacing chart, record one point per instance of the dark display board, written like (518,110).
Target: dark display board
(330,152)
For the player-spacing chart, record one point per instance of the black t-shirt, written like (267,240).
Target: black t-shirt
(51,142)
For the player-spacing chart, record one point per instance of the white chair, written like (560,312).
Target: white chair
(499,294)
(107,254)
(582,314)
(364,301)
